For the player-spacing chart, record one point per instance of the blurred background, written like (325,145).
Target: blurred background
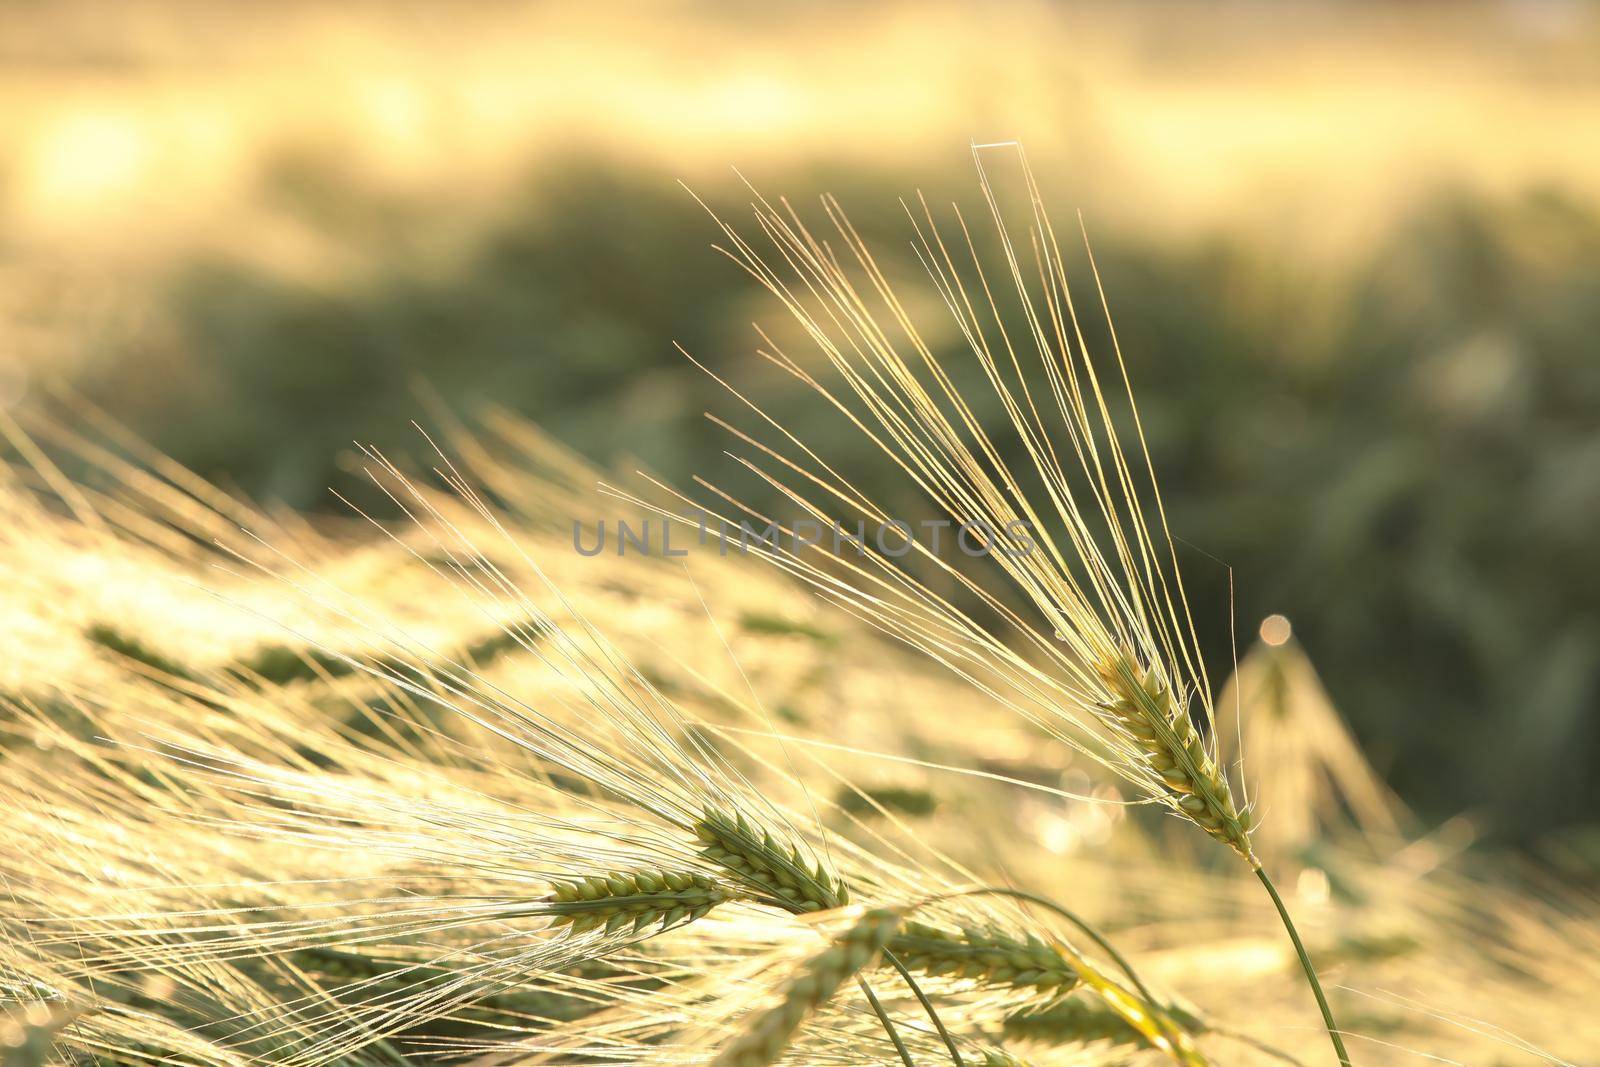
(1353,252)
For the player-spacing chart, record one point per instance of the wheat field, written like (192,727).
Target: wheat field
(429,782)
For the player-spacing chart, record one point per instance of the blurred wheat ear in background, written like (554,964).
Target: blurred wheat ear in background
(1277,721)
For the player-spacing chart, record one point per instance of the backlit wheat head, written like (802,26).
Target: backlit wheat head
(1070,514)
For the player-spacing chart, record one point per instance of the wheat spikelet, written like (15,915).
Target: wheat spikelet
(1157,720)
(636,899)
(995,1057)
(819,979)
(779,875)
(1076,1021)
(990,957)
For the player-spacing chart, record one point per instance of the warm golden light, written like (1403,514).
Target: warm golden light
(335,729)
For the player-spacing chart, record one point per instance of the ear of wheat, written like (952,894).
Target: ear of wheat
(994,1057)
(1158,723)
(1112,663)
(1077,1021)
(990,957)
(818,980)
(634,899)
(780,876)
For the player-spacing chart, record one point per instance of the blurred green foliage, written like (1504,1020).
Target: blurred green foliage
(1404,458)
(1415,482)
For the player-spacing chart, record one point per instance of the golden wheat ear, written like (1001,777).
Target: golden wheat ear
(1148,708)
(1110,659)
(817,980)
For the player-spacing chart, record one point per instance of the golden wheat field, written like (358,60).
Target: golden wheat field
(899,713)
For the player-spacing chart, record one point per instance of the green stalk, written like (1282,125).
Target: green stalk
(888,1023)
(927,1006)
(1305,965)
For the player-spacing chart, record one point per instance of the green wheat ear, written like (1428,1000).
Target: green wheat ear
(1148,708)
(1082,1022)
(757,861)
(634,899)
(989,957)
(995,1057)
(814,984)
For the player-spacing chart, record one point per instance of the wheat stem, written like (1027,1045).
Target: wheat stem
(1148,708)
(888,1024)
(927,1006)
(1305,965)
